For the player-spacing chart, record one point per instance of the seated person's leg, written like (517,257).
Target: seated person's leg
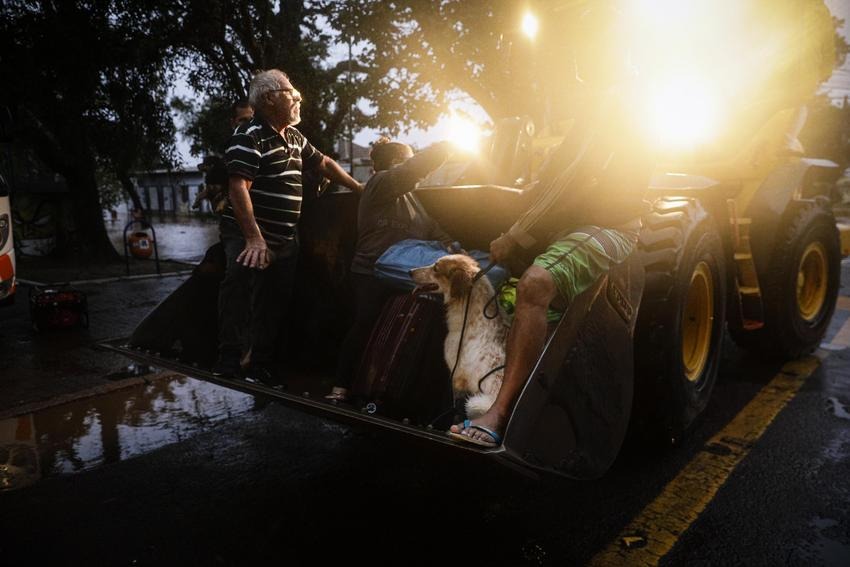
(370,293)
(535,291)
(578,259)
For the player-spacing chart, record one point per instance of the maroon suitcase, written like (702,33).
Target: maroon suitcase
(402,373)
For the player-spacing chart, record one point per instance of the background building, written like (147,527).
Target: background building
(173,191)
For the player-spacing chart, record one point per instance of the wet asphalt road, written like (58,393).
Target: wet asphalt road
(272,485)
(35,367)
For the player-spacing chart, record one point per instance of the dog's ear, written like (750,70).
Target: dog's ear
(461,281)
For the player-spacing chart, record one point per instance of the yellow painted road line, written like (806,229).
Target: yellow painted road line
(843,303)
(654,532)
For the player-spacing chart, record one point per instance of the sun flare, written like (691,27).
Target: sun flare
(683,112)
(464,134)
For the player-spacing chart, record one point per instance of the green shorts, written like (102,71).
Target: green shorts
(577,259)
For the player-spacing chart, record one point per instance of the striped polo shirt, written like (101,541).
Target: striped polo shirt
(273,162)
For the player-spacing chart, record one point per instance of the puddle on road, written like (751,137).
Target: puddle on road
(91,432)
(828,550)
(837,409)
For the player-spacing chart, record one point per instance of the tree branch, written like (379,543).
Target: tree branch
(430,25)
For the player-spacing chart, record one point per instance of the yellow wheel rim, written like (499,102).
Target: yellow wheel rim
(697,322)
(812,281)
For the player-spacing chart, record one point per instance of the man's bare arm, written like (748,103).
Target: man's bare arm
(256,253)
(333,171)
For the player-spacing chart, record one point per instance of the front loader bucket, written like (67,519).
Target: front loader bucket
(185,324)
(572,416)
(496,208)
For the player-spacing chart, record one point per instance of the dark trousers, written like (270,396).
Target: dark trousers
(370,293)
(252,303)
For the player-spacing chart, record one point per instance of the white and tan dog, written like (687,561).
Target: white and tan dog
(483,346)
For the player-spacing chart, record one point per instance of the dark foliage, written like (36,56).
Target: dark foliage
(223,43)
(86,86)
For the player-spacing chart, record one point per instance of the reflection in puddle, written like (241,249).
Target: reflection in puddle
(85,434)
(828,549)
(837,408)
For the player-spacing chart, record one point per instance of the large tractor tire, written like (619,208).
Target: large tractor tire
(680,326)
(800,287)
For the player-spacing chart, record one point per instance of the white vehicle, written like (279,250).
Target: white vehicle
(7,248)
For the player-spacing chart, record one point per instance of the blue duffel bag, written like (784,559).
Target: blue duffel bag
(395,263)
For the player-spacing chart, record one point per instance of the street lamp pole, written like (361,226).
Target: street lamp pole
(350,105)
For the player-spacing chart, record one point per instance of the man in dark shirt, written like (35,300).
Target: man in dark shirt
(388,213)
(265,158)
(214,167)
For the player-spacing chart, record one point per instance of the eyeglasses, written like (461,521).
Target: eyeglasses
(293,93)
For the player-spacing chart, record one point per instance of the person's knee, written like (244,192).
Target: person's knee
(536,288)
(234,279)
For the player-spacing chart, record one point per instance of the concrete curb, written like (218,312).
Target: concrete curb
(106,280)
(99,390)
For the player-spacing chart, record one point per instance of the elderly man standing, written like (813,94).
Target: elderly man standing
(265,158)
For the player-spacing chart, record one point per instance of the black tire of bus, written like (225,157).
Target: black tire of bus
(678,237)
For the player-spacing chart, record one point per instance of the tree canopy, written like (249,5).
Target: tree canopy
(223,43)
(86,85)
(419,53)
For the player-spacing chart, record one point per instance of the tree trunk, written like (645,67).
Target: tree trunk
(75,163)
(130,189)
(89,237)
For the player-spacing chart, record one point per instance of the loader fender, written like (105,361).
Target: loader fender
(784,191)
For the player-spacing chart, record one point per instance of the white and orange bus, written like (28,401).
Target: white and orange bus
(7,248)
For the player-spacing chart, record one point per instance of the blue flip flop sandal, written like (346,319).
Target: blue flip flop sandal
(467,424)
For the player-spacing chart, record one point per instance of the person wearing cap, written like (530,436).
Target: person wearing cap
(214,168)
(387,213)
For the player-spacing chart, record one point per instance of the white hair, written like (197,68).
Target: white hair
(263,82)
